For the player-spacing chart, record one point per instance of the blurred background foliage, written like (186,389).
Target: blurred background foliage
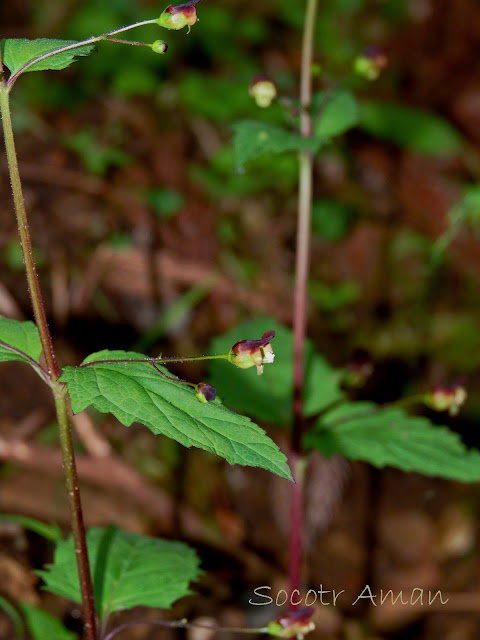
(147,235)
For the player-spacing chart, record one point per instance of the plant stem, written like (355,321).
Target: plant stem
(25,241)
(300,297)
(78,527)
(58,389)
(160,360)
(184,624)
(75,45)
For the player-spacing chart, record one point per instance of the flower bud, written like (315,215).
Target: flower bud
(177,16)
(357,372)
(371,63)
(159,46)
(263,90)
(294,623)
(447,399)
(205,392)
(253,353)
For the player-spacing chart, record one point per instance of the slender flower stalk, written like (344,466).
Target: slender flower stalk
(75,45)
(300,298)
(58,389)
(160,360)
(183,624)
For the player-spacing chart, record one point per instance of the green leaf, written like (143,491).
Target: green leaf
(48,531)
(465,212)
(269,397)
(334,297)
(362,431)
(9,610)
(331,219)
(22,336)
(338,115)
(128,570)
(252,139)
(411,128)
(165,202)
(43,626)
(17,53)
(97,157)
(135,392)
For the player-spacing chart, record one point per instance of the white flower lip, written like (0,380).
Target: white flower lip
(268,357)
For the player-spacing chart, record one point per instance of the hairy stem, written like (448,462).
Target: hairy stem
(159,360)
(300,298)
(58,390)
(78,527)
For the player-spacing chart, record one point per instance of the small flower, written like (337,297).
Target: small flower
(371,63)
(447,398)
(294,623)
(205,392)
(159,46)
(250,353)
(177,16)
(263,90)
(357,372)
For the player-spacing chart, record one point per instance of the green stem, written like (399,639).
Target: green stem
(75,45)
(58,390)
(302,266)
(25,241)
(167,360)
(78,526)
(135,43)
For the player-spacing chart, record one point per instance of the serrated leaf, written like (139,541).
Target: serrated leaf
(128,570)
(269,397)
(135,392)
(22,336)
(43,626)
(411,128)
(390,437)
(16,53)
(252,139)
(338,115)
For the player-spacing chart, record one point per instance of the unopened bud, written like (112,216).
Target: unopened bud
(294,623)
(371,63)
(253,353)
(177,16)
(205,392)
(159,46)
(263,90)
(447,399)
